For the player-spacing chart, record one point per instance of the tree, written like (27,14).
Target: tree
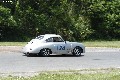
(6,21)
(104,16)
(73,19)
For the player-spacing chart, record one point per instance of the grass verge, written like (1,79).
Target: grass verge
(13,43)
(114,44)
(107,74)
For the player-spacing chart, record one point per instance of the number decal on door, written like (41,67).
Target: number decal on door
(61,48)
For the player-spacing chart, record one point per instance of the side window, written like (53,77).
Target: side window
(57,39)
(49,40)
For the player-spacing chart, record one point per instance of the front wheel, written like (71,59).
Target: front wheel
(77,51)
(45,52)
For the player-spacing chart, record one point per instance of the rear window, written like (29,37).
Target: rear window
(39,37)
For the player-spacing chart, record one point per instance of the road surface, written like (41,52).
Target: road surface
(16,62)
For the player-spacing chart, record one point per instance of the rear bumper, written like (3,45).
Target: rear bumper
(27,50)
(26,53)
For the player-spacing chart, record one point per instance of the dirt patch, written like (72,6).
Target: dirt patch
(11,48)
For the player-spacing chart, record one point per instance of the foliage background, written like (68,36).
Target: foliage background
(75,20)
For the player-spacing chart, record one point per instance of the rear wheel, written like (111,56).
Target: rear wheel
(45,52)
(77,51)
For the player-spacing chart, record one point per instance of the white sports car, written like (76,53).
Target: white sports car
(47,44)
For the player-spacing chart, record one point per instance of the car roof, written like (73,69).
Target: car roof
(50,35)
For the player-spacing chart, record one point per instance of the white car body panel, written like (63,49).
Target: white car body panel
(65,47)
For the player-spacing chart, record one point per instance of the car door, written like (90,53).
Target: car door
(57,45)
(60,45)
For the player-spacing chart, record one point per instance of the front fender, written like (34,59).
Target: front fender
(80,45)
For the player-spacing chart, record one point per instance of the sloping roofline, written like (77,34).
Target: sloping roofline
(50,35)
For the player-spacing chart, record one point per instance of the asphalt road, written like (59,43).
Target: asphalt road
(16,62)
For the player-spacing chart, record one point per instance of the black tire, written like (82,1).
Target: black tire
(45,52)
(77,51)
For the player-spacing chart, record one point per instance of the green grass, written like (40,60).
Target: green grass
(110,74)
(102,44)
(86,43)
(13,43)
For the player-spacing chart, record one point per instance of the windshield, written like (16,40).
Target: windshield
(39,37)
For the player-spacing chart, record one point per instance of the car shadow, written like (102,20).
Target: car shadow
(65,55)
